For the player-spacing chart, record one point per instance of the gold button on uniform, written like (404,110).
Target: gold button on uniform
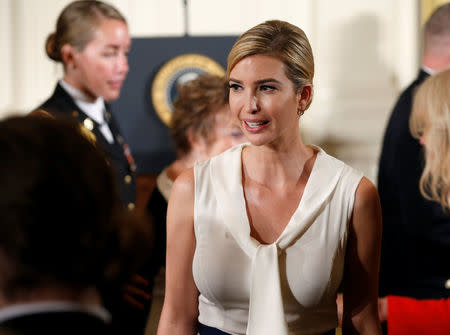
(127,179)
(447,284)
(131,206)
(88,123)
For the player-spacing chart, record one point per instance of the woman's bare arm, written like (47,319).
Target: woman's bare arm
(180,310)
(362,263)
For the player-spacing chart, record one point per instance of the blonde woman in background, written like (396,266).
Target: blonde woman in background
(414,228)
(429,124)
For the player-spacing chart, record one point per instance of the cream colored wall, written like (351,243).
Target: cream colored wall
(5,56)
(365,51)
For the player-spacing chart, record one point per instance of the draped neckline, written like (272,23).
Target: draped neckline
(246,214)
(227,183)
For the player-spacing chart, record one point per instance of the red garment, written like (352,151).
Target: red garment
(418,317)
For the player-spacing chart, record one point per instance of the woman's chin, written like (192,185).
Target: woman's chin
(111,95)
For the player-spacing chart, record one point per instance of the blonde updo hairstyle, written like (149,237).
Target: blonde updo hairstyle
(76,25)
(431,118)
(281,40)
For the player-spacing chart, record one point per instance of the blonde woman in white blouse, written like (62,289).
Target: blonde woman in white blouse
(261,237)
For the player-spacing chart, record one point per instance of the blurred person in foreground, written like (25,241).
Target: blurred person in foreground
(63,231)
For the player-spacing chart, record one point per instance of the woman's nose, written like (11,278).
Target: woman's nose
(251,104)
(122,64)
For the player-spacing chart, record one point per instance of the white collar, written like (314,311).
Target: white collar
(22,309)
(428,70)
(95,110)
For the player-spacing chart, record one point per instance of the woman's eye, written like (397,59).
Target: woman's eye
(267,88)
(234,87)
(109,54)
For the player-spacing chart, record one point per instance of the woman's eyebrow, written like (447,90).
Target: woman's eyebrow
(259,82)
(267,80)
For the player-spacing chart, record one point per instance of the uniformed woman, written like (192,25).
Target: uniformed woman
(91,40)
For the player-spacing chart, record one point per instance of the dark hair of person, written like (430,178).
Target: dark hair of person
(62,222)
(195,109)
(76,25)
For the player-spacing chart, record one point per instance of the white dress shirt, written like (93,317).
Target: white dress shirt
(95,110)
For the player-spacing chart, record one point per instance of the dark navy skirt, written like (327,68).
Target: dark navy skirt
(206,330)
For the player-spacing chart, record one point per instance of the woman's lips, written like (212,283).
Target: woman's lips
(255,126)
(116,84)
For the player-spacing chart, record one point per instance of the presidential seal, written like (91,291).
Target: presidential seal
(176,72)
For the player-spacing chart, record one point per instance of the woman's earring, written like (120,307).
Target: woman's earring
(300,112)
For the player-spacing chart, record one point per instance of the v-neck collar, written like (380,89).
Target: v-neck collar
(297,209)
(227,181)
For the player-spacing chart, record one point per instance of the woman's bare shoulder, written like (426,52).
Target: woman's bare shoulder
(367,208)
(366,194)
(184,184)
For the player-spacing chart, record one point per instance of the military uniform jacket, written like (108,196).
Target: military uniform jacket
(61,104)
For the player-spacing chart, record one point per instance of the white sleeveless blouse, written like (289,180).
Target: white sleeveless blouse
(287,287)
